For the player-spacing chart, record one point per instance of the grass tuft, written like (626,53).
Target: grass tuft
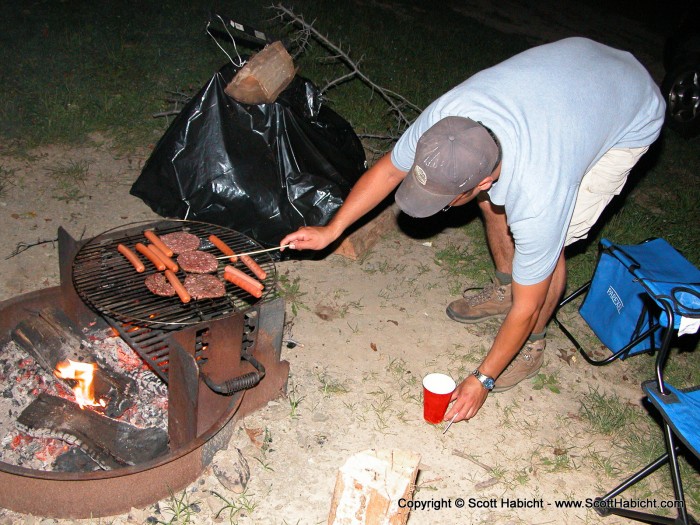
(606,413)
(295,400)
(330,386)
(290,290)
(550,382)
(243,505)
(178,510)
(69,180)
(7,179)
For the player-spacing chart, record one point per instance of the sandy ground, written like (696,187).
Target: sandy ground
(369,330)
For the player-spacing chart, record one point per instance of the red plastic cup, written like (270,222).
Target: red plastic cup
(437,391)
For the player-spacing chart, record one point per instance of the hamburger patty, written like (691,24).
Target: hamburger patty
(180,242)
(197,262)
(204,286)
(159,285)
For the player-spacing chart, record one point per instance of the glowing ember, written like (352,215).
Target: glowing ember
(82,373)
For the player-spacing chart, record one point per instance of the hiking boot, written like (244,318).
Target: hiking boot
(524,365)
(493,300)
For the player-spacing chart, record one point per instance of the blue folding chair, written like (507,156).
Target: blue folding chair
(680,413)
(639,298)
(626,298)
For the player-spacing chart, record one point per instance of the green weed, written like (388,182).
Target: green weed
(6,180)
(454,259)
(290,290)
(69,180)
(265,448)
(384,267)
(179,509)
(331,385)
(606,413)
(382,408)
(294,401)
(603,464)
(243,505)
(559,461)
(550,382)
(642,443)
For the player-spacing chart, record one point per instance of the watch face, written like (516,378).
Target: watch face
(485,380)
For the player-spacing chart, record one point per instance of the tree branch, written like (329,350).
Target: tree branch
(23,246)
(402,108)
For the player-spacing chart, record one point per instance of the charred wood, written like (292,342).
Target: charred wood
(50,337)
(110,443)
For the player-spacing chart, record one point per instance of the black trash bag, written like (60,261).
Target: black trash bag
(263,170)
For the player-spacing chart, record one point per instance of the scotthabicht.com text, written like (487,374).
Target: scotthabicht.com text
(532,503)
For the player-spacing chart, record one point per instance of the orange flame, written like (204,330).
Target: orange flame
(82,373)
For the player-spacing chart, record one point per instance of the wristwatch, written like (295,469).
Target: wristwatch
(487,381)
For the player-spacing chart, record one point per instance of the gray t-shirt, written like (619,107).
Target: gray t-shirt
(556,109)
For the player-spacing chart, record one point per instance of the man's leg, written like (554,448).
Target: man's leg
(494,300)
(554,295)
(498,235)
(528,361)
(598,187)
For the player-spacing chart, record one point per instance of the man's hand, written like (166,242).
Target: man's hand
(468,397)
(309,238)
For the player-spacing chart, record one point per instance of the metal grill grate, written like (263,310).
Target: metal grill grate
(107,282)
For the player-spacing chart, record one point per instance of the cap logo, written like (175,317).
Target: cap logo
(420,175)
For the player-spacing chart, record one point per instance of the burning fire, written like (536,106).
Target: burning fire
(82,373)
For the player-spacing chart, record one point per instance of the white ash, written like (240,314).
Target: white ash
(22,379)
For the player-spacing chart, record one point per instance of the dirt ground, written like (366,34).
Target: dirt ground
(369,330)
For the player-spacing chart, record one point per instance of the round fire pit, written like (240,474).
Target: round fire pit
(205,337)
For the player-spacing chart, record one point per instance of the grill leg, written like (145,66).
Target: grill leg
(72,305)
(183,398)
(268,350)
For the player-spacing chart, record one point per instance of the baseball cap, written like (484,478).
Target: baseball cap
(452,157)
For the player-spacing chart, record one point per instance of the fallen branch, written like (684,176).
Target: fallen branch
(178,99)
(303,31)
(372,136)
(476,462)
(166,113)
(23,246)
(493,480)
(399,105)
(377,145)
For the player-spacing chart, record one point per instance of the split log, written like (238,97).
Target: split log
(264,77)
(110,443)
(369,486)
(50,337)
(366,234)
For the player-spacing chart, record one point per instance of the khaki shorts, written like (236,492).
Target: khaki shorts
(602,182)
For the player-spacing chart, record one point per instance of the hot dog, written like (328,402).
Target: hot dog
(160,265)
(179,288)
(243,284)
(254,267)
(237,272)
(131,257)
(155,240)
(223,248)
(167,261)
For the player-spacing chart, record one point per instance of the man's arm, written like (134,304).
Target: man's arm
(516,328)
(371,189)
